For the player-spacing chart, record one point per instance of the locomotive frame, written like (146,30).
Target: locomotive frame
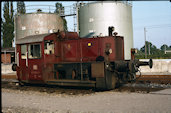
(63,58)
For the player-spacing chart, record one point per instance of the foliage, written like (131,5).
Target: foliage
(153,52)
(150,48)
(164,47)
(65,24)
(21,7)
(60,10)
(7,25)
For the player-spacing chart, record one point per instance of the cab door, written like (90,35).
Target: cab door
(22,62)
(35,62)
(49,59)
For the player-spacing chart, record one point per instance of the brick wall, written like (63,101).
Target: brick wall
(6,59)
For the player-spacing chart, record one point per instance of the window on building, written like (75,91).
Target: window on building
(23,51)
(48,47)
(34,51)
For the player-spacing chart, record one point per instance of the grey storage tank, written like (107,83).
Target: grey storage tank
(36,24)
(95,18)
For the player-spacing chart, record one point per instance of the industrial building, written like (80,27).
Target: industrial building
(8,55)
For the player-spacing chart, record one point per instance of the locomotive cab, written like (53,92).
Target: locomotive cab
(30,59)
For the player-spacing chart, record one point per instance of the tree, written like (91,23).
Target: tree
(21,7)
(152,49)
(65,24)
(60,10)
(164,47)
(155,52)
(8,24)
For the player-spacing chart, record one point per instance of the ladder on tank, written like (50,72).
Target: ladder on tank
(70,11)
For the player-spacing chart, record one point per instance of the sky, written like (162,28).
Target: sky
(155,16)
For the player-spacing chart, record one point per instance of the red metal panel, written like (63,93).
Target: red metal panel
(35,69)
(89,49)
(116,45)
(69,35)
(50,37)
(119,48)
(70,51)
(108,41)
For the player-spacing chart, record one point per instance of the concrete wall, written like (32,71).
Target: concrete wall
(7,69)
(160,67)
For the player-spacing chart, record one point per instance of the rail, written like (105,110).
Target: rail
(66,11)
(124,2)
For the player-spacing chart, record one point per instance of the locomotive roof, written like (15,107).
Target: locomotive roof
(32,38)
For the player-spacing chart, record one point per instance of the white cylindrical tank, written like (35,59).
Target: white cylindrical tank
(96,17)
(37,23)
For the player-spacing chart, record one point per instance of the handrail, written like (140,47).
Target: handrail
(68,10)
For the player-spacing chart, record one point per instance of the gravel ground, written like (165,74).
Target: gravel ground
(17,101)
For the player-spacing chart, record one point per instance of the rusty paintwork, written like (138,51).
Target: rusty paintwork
(67,59)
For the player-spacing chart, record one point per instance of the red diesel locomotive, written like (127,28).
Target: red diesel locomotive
(63,58)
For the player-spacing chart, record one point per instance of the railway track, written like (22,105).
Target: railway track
(160,79)
(143,85)
(49,89)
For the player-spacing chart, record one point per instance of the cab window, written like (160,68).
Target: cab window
(34,51)
(48,47)
(23,51)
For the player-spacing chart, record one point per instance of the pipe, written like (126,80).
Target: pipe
(150,63)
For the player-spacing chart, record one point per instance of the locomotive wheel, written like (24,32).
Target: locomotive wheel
(14,67)
(21,83)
